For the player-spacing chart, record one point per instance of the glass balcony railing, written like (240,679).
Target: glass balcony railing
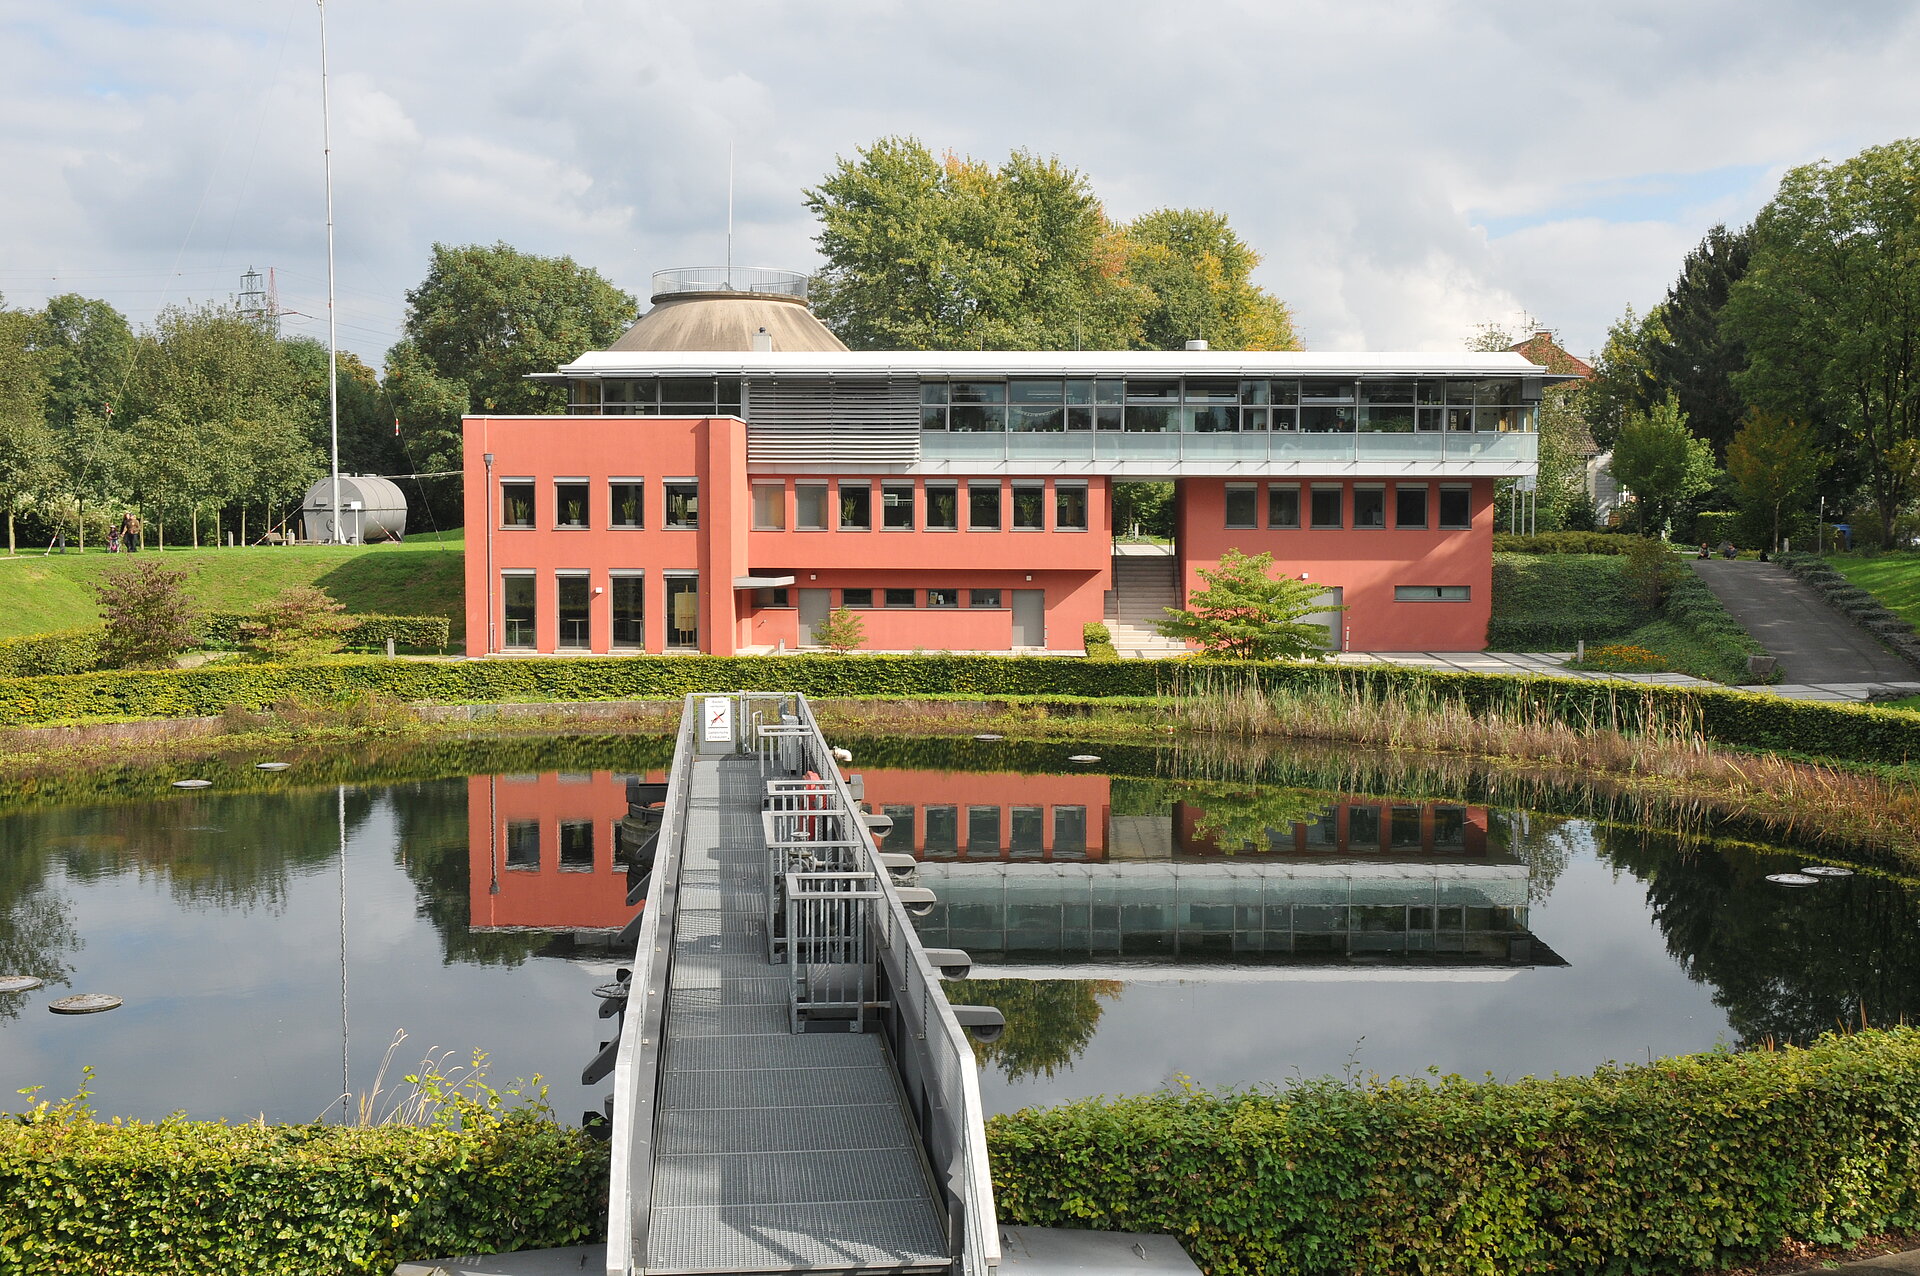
(1277,448)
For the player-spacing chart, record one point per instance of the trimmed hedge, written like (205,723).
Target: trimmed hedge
(1548,604)
(1685,1164)
(63,651)
(197,1196)
(223,628)
(1733,718)
(1562,543)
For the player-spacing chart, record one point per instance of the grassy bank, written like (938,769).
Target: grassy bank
(417,578)
(1894,579)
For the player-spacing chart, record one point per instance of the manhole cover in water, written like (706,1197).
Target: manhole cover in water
(193,784)
(271,766)
(989,737)
(1826,870)
(1084,757)
(19,983)
(86,1003)
(1792,879)
(615,991)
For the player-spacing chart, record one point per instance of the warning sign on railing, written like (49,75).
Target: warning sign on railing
(716,717)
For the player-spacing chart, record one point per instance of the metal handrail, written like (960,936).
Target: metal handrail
(760,279)
(921,1022)
(636,1074)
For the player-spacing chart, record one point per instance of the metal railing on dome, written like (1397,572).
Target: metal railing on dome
(760,279)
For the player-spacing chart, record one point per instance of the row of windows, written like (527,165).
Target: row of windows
(576,845)
(850,506)
(1213,405)
(627,503)
(936,598)
(1158,404)
(1326,506)
(573,610)
(942,830)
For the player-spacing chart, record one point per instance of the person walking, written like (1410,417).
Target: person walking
(130,532)
(113,539)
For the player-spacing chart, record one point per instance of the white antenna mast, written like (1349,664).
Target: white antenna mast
(729,214)
(338,534)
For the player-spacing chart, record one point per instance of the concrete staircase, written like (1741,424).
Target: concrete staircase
(1143,586)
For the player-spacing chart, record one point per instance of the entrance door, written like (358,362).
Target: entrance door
(1335,621)
(1029,617)
(813,612)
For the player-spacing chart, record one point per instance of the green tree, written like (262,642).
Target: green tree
(943,253)
(485,317)
(1147,506)
(1245,614)
(149,618)
(1049,1021)
(1698,358)
(1624,377)
(1774,462)
(300,623)
(367,442)
(1829,310)
(26,444)
(1564,440)
(1197,274)
(90,356)
(1657,458)
(841,631)
(94,463)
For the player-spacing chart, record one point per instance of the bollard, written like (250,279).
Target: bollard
(1579,650)
(389,649)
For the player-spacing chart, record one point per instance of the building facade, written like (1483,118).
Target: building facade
(726,498)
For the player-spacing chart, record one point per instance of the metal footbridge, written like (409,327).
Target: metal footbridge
(791,1089)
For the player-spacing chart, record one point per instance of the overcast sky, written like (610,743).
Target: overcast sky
(1407,169)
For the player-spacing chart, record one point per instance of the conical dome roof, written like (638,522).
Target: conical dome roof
(696,309)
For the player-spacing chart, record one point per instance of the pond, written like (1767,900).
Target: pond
(270,945)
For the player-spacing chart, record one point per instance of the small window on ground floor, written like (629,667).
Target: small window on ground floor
(983,598)
(943,598)
(1242,503)
(1070,508)
(629,609)
(899,597)
(1431,593)
(856,598)
(516,606)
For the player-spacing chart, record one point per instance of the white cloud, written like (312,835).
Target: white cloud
(1379,154)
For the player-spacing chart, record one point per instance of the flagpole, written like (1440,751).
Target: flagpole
(333,341)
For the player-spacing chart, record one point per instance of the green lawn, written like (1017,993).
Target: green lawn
(418,578)
(1892,578)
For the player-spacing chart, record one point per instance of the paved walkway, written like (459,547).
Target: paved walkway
(1815,643)
(1553,664)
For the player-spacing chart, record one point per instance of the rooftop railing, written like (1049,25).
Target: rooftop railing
(757,279)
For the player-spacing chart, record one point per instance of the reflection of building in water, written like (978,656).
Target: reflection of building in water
(541,851)
(1021,817)
(1370,885)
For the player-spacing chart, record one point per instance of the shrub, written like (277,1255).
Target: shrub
(203,1196)
(1570,542)
(1098,640)
(1649,572)
(841,632)
(149,618)
(64,651)
(301,622)
(1623,658)
(1242,612)
(1716,526)
(368,633)
(1678,1166)
(1549,603)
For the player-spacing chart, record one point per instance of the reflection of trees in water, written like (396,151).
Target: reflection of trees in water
(1049,1021)
(36,931)
(1544,843)
(1786,963)
(432,817)
(1239,819)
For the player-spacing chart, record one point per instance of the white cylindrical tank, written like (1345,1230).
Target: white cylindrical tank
(371,509)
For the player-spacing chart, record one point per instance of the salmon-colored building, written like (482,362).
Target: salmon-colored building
(728,474)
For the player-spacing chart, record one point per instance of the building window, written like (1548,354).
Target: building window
(810,507)
(856,598)
(896,506)
(523,845)
(1326,507)
(683,504)
(933,405)
(516,598)
(1241,500)
(629,503)
(571,604)
(1036,406)
(1283,507)
(943,507)
(1026,831)
(983,830)
(683,611)
(979,406)
(899,597)
(516,502)
(856,507)
(776,597)
(983,507)
(943,830)
(1369,507)
(1029,507)
(1069,830)
(1410,505)
(576,846)
(943,598)
(629,610)
(1431,593)
(1070,508)
(570,503)
(983,598)
(1456,507)
(769,507)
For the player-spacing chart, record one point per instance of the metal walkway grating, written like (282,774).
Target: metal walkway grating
(773,1151)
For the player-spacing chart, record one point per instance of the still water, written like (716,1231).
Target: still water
(271,945)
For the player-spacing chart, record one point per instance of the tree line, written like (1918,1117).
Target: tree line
(1783,365)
